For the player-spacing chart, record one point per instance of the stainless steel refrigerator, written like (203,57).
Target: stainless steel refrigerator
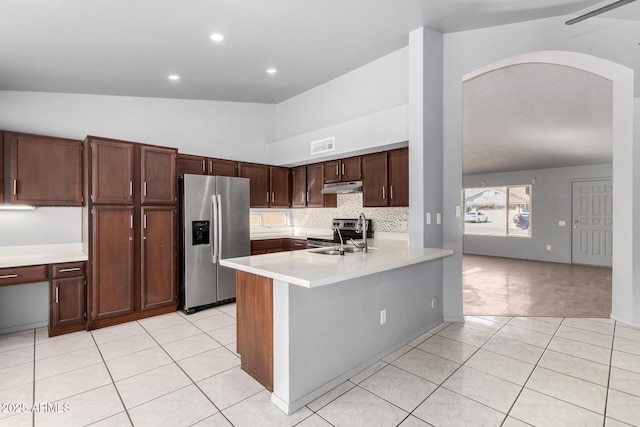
(214,214)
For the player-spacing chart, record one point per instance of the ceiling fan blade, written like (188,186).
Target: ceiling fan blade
(598,11)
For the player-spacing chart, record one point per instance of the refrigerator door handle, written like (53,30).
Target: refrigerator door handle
(219,226)
(216,220)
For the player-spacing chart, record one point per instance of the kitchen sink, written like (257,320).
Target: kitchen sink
(336,251)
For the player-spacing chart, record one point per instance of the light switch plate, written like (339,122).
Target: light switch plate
(438,218)
(383,316)
(562,223)
(458,210)
(428,218)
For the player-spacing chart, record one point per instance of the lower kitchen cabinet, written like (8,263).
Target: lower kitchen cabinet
(266,246)
(158,257)
(68,298)
(113,262)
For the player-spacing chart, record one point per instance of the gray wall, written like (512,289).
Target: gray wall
(550,203)
(344,321)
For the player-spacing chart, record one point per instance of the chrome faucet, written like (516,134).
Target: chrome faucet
(361,227)
(341,242)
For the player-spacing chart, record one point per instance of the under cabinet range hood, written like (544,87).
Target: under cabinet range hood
(342,187)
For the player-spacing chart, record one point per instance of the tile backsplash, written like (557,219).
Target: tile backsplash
(388,220)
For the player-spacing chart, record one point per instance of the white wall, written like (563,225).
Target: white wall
(467,51)
(550,202)
(230,130)
(365,110)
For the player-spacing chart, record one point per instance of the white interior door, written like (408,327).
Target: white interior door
(592,221)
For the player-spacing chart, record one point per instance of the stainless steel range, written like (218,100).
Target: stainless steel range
(347,227)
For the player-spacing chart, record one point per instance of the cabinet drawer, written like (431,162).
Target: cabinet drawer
(16,275)
(68,269)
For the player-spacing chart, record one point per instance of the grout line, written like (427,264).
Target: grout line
(126,411)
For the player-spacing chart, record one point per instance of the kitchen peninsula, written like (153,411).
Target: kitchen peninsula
(308,321)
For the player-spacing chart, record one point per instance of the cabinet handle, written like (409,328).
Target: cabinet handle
(57,296)
(15,187)
(267,197)
(307,197)
(8,276)
(130,188)
(337,173)
(131,221)
(383,193)
(66,270)
(144,221)
(210,166)
(204,167)
(297,244)
(391,192)
(343,169)
(273,197)
(144,190)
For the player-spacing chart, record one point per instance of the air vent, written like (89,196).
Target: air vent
(323,145)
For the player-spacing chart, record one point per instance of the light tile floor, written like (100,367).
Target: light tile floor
(177,370)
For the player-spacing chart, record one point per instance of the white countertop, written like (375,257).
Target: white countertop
(20,256)
(310,269)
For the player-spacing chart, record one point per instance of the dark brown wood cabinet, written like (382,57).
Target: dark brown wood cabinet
(258,175)
(315,183)
(42,170)
(399,177)
(299,187)
(374,180)
(157,175)
(113,262)
(385,178)
(341,170)
(222,167)
(67,310)
(194,165)
(16,275)
(295,244)
(280,186)
(111,172)
(267,246)
(158,257)
(132,234)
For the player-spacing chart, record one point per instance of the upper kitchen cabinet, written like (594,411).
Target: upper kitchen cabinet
(299,187)
(111,171)
(222,167)
(374,180)
(342,170)
(157,175)
(194,165)
(385,178)
(280,187)
(258,175)
(315,183)
(42,171)
(399,177)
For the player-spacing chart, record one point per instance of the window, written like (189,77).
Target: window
(498,211)
(270,218)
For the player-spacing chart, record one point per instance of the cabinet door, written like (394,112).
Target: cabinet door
(111,172)
(113,262)
(194,165)
(157,175)
(223,167)
(399,177)
(158,257)
(259,183)
(315,182)
(374,180)
(350,169)
(44,171)
(299,187)
(332,171)
(68,305)
(280,187)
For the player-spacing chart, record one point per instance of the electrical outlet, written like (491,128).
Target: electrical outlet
(434,303)
(548,247)
(383,316)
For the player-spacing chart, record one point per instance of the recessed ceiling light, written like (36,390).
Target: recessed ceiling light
(217,37)
(174,77)
(271,71)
